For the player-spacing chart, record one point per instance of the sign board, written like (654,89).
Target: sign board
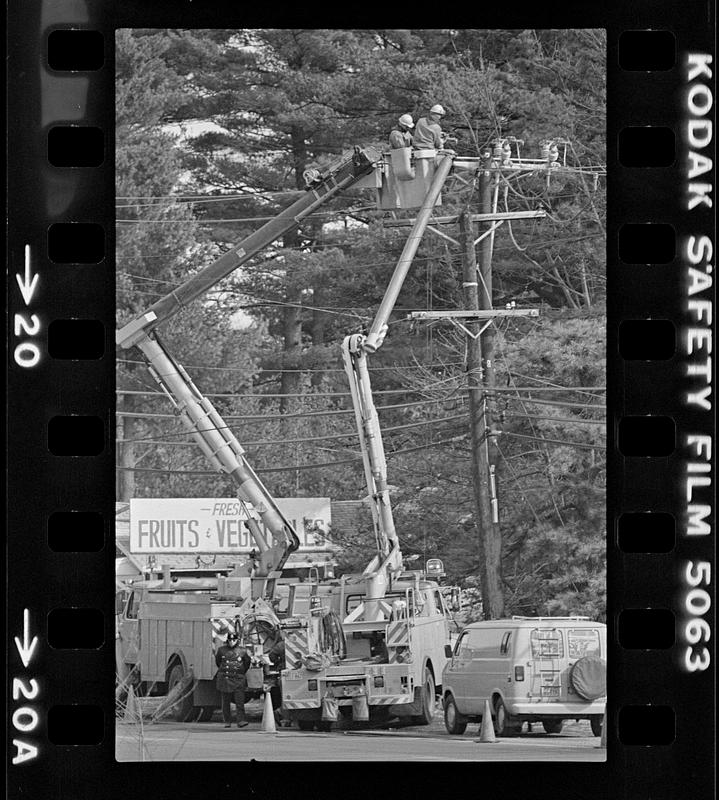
(212,525)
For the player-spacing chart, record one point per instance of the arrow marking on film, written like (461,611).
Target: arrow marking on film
(27,646)
(28,282)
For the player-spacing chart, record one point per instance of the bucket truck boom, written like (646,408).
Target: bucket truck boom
(199,416)
(355,349)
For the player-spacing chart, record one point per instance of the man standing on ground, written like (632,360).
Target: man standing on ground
(428,133)
(233,662)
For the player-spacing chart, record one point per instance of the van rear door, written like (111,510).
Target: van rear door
(583,642)
(547,664)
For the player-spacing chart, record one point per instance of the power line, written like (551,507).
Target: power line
(560,403)
(394,367)
(579,420)
(262,396)
(299,467)
(549,389)
(555,441)
(271,396)
(516,480)
(292,415)
(283,441)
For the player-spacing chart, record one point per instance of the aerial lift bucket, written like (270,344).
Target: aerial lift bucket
(402,163)
(360,708)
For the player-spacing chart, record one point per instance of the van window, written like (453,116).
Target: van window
(439,602)
(547,643)
(462,650)
(486,643)
(583,642)
(504,647)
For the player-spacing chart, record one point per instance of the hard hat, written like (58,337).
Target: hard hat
(406,119)
(437,109)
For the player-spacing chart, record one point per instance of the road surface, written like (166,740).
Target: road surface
(211,741)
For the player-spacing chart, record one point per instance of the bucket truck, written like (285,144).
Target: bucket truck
(167,634)
(394,620)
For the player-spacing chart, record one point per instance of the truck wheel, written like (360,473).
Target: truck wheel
(426,713)
(505,725)
(181,710)
(553,725)
(596,724)
(454,722)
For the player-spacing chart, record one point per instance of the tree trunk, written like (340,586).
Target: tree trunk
(292,322)
(126,433)
(292,343)
(319,321)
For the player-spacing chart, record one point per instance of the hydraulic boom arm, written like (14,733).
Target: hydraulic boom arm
(340,176)
(197,413)
(355,350)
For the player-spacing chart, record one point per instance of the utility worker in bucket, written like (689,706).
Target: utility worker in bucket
(428,132)
(233,662)
(401,134)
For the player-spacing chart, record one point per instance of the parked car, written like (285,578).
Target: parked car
(530,669)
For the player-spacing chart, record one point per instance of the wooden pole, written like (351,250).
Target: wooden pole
(492,600)
(494,605)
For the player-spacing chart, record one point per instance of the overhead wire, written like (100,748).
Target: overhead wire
(560,442)
(245,371)
(263,396)
(293,415)
(283,441)
(299,467)
(514,477)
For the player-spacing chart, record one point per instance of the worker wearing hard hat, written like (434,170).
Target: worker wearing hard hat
(428,133)
(401,134)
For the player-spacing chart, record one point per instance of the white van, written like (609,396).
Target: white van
(531,669)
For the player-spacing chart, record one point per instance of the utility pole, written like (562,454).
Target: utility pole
(475,320)
(489,536)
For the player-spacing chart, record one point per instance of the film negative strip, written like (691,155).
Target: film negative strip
(658,729)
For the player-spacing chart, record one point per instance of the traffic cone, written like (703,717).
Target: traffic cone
(486,731)
(268,716)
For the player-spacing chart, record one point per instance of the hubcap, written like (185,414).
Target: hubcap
(450,714)
(500,717)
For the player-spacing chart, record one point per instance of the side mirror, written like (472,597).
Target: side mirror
(448,650)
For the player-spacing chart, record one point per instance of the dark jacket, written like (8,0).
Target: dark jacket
(233,663)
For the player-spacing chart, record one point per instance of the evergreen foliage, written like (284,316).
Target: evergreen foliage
(231,119)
